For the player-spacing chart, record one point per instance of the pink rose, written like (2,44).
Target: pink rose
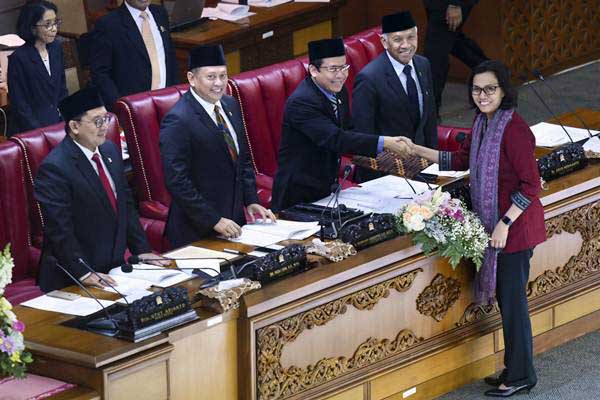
(18,326)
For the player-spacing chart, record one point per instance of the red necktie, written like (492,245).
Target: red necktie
(105,181)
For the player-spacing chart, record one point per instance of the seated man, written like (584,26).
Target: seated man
(393,94)
(88,210)
(317,131)
(205,156)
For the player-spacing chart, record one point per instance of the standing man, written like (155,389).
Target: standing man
(445,21)
(88,210)
(393,94)
(131,51)
(205,156)
(316,130)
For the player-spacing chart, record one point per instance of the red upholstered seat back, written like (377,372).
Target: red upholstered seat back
(450,137)
(371,41)
(140,115)
(14,210)
(36,145)
(262,94)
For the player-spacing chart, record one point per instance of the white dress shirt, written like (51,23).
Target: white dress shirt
(210,110)
(89,154)
(399,68)
(160,49)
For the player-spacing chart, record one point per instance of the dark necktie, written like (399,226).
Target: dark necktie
(226,134)
(105,182)
(413,96)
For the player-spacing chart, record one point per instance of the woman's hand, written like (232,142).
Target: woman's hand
(499,235)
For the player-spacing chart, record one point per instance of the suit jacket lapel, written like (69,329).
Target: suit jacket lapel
(237,124)
(133,33)
(394,82)
(424,84)
(38,64)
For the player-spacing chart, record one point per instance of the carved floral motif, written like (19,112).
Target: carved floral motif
(438,297)
(275,382)
(475,312)
(586,221)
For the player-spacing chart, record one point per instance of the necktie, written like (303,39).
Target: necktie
(105,182)
(413,96)
(226,134)
(334,104)
(151,48)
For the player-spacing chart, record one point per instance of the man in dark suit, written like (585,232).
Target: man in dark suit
(317,130)
(131,51)
(88,210)
(205,156)
(445,20)
(393,94)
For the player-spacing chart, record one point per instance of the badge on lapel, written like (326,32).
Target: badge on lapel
(162,29)
(109,160)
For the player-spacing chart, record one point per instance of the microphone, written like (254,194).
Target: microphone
(336,202)
(541,99)
(107,324)
(410,185)
(538,74)
(82,262)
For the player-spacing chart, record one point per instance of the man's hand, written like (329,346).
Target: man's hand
(254,209)
(453,17)
(398,146)
(98,280)
(154,259)
(228,228)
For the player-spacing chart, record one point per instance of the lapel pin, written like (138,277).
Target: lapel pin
(162,29)
(109,159)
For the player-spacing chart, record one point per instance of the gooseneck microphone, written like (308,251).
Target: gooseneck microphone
(92,271)
(336,196)
(107,324)
(547,107)
(538,74)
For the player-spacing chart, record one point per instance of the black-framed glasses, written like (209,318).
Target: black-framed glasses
(51,24)
(336,68)
(488,90)
(99,121)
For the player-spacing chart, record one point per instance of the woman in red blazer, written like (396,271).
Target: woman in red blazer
(505,183)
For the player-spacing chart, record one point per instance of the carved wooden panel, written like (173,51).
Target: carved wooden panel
(438,297)
(475,312)
(275,382)
(546,33)
(584,220)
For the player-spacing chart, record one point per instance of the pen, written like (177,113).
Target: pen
(231,251)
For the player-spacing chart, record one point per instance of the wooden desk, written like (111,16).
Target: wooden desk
(272,35)
(370,327)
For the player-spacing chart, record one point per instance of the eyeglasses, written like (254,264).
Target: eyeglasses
(99,121)
(335,68)
(51,24)
(488,90)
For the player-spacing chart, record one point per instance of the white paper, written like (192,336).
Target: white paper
(135,295)
(267,3)
(127,285)
(200,252)
(592,144)
(227,12)
(157,276)
(264,234)
(434,169)
(551,135)
(311,1)
(81,307)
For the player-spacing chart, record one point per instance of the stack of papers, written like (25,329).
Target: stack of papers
(82,306)
(264,234)
(227,12)
(592,145)
(198,253)
(267,3)
(552,135)
(151,275)
(434,169)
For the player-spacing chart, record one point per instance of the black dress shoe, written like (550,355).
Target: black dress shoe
(510,391)
(490,380)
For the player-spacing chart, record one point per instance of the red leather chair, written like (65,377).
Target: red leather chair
(14,229)
(140,115)
(450,137)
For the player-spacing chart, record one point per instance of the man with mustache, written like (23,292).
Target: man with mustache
(393,94)
(317,130)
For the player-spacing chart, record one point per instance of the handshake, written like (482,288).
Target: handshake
(401,145)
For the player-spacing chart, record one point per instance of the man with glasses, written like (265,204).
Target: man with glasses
(205,157)
(131,51)
(89,214)
(393,94)
(317,130)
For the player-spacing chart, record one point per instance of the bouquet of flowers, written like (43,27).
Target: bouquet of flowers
(13,357)
(441,223)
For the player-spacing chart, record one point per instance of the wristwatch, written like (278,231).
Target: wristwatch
(507,220)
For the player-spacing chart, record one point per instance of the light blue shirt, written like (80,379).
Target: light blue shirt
(399,68)
(333,99)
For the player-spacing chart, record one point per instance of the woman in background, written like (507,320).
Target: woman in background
(504,183)
(36,73)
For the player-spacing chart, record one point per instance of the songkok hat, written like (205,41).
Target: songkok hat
(206,56)
(397,22)
(80,102)
(325,48)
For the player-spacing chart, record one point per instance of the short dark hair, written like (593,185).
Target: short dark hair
(32,13)
(317,63)
(75,118)
(502,73)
